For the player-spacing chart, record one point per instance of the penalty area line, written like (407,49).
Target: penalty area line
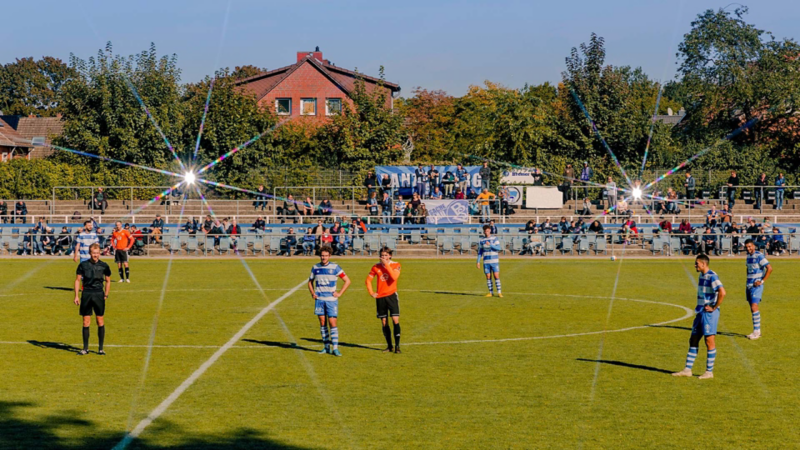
(156,413)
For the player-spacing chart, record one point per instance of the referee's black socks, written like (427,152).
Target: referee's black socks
(127,273)
(86,338)
(101,336)
(121,274)
(396,335)
(387,333)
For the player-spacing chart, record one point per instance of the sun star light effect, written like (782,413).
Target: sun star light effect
(189,177)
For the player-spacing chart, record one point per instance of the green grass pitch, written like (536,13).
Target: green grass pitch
(476,372)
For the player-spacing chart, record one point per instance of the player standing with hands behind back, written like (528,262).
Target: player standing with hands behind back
(123,241)
(94,276)
(386,299)
(710,294)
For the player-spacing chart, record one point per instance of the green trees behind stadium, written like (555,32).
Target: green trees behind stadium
(729,72)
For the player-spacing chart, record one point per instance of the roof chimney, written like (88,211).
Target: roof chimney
(316,54)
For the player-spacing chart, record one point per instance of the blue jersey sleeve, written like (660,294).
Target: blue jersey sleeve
(311,277)
(762,261)
(496,245)
(716,283)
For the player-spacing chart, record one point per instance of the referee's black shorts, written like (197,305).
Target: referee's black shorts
(93,301)
(120,256)
(387,305)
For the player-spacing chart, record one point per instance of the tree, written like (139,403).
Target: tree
(428,122)
(33,87)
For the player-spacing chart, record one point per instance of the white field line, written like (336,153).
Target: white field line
(689,313)
(156,413)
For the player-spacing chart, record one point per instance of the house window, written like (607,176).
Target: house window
(283,106)
(308,106)
(38,140)
(333,106)
(5,156)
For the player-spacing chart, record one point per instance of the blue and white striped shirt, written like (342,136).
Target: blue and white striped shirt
(86,239)
(756,264)
(488,248)
(325,278)
(707,287)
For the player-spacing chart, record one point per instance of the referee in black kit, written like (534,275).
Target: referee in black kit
(95,276)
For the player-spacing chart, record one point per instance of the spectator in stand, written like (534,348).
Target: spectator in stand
(483,200)
(762,240)
(631,224)
(462,177)
(436,194)
(733,184)
(309,242)
(760,189)
(358,226)
(566,185)
(690,186)
(777,245)
(416,200)
(665,226)
(208,224)
(493,227)
(260,198)
(234,231)
(386,208)
(371,183)
(459,194)
(4,211)
(259,226)
(422,181)
(21,210)
(410,213)
(48,241)
(317,231)
(531,227)
(308,207)
(326,238)
(685,230)
(433,178)
(290,208)
(752,227)
(537,177)
(625,234)
(325,207)
(399,209)
(596,227)
(288,243)
(449,183)
(586,176)
(63,242)
(372,205)
(336,228)
(386,185)
(422,214)
(503,195)
(712,217)
(611,193)
(342,243)
(27,244)
(191,225)
(587,207)
(216,231)
(709,243)
(100,201)
(736,242)
(563,225)
(546,226)
(780,182)
(486,176)
(623,209)
(156,229)
(725,215)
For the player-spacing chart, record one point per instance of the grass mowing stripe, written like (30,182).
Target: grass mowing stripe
(133,434)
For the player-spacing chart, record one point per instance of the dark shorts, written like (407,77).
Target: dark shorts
(120,256)
(93,301)
(387,305)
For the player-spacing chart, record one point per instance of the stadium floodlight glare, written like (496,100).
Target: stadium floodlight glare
(637,193)
(189,177)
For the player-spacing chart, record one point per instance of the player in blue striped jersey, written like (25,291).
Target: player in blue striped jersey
(710,294)
(322,285)
(758,270)
(85,239)
(488,248)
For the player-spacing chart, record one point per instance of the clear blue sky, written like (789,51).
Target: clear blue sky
(447,45)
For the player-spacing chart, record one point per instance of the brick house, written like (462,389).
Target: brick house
(31,135)
(12,144)
(312,87)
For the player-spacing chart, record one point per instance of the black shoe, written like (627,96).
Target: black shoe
(101,353)
(83,353)
(397,349)
(388,350)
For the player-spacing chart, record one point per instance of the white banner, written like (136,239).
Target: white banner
(447,211)
(543,197)
(517,176)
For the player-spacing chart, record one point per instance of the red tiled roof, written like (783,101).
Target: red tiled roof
(9,137)
(260,85)
(47,127)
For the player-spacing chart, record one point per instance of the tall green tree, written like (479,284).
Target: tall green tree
(29,86)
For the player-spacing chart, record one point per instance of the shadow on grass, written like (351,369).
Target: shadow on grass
(54,346)
(464,294)
(342,344)
(289,345)
(624,364)
(59,288)
(721,333)
(45,432)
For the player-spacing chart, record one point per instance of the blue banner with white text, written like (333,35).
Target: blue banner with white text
(404,178)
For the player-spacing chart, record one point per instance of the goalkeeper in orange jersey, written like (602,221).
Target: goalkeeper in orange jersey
(386,300)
